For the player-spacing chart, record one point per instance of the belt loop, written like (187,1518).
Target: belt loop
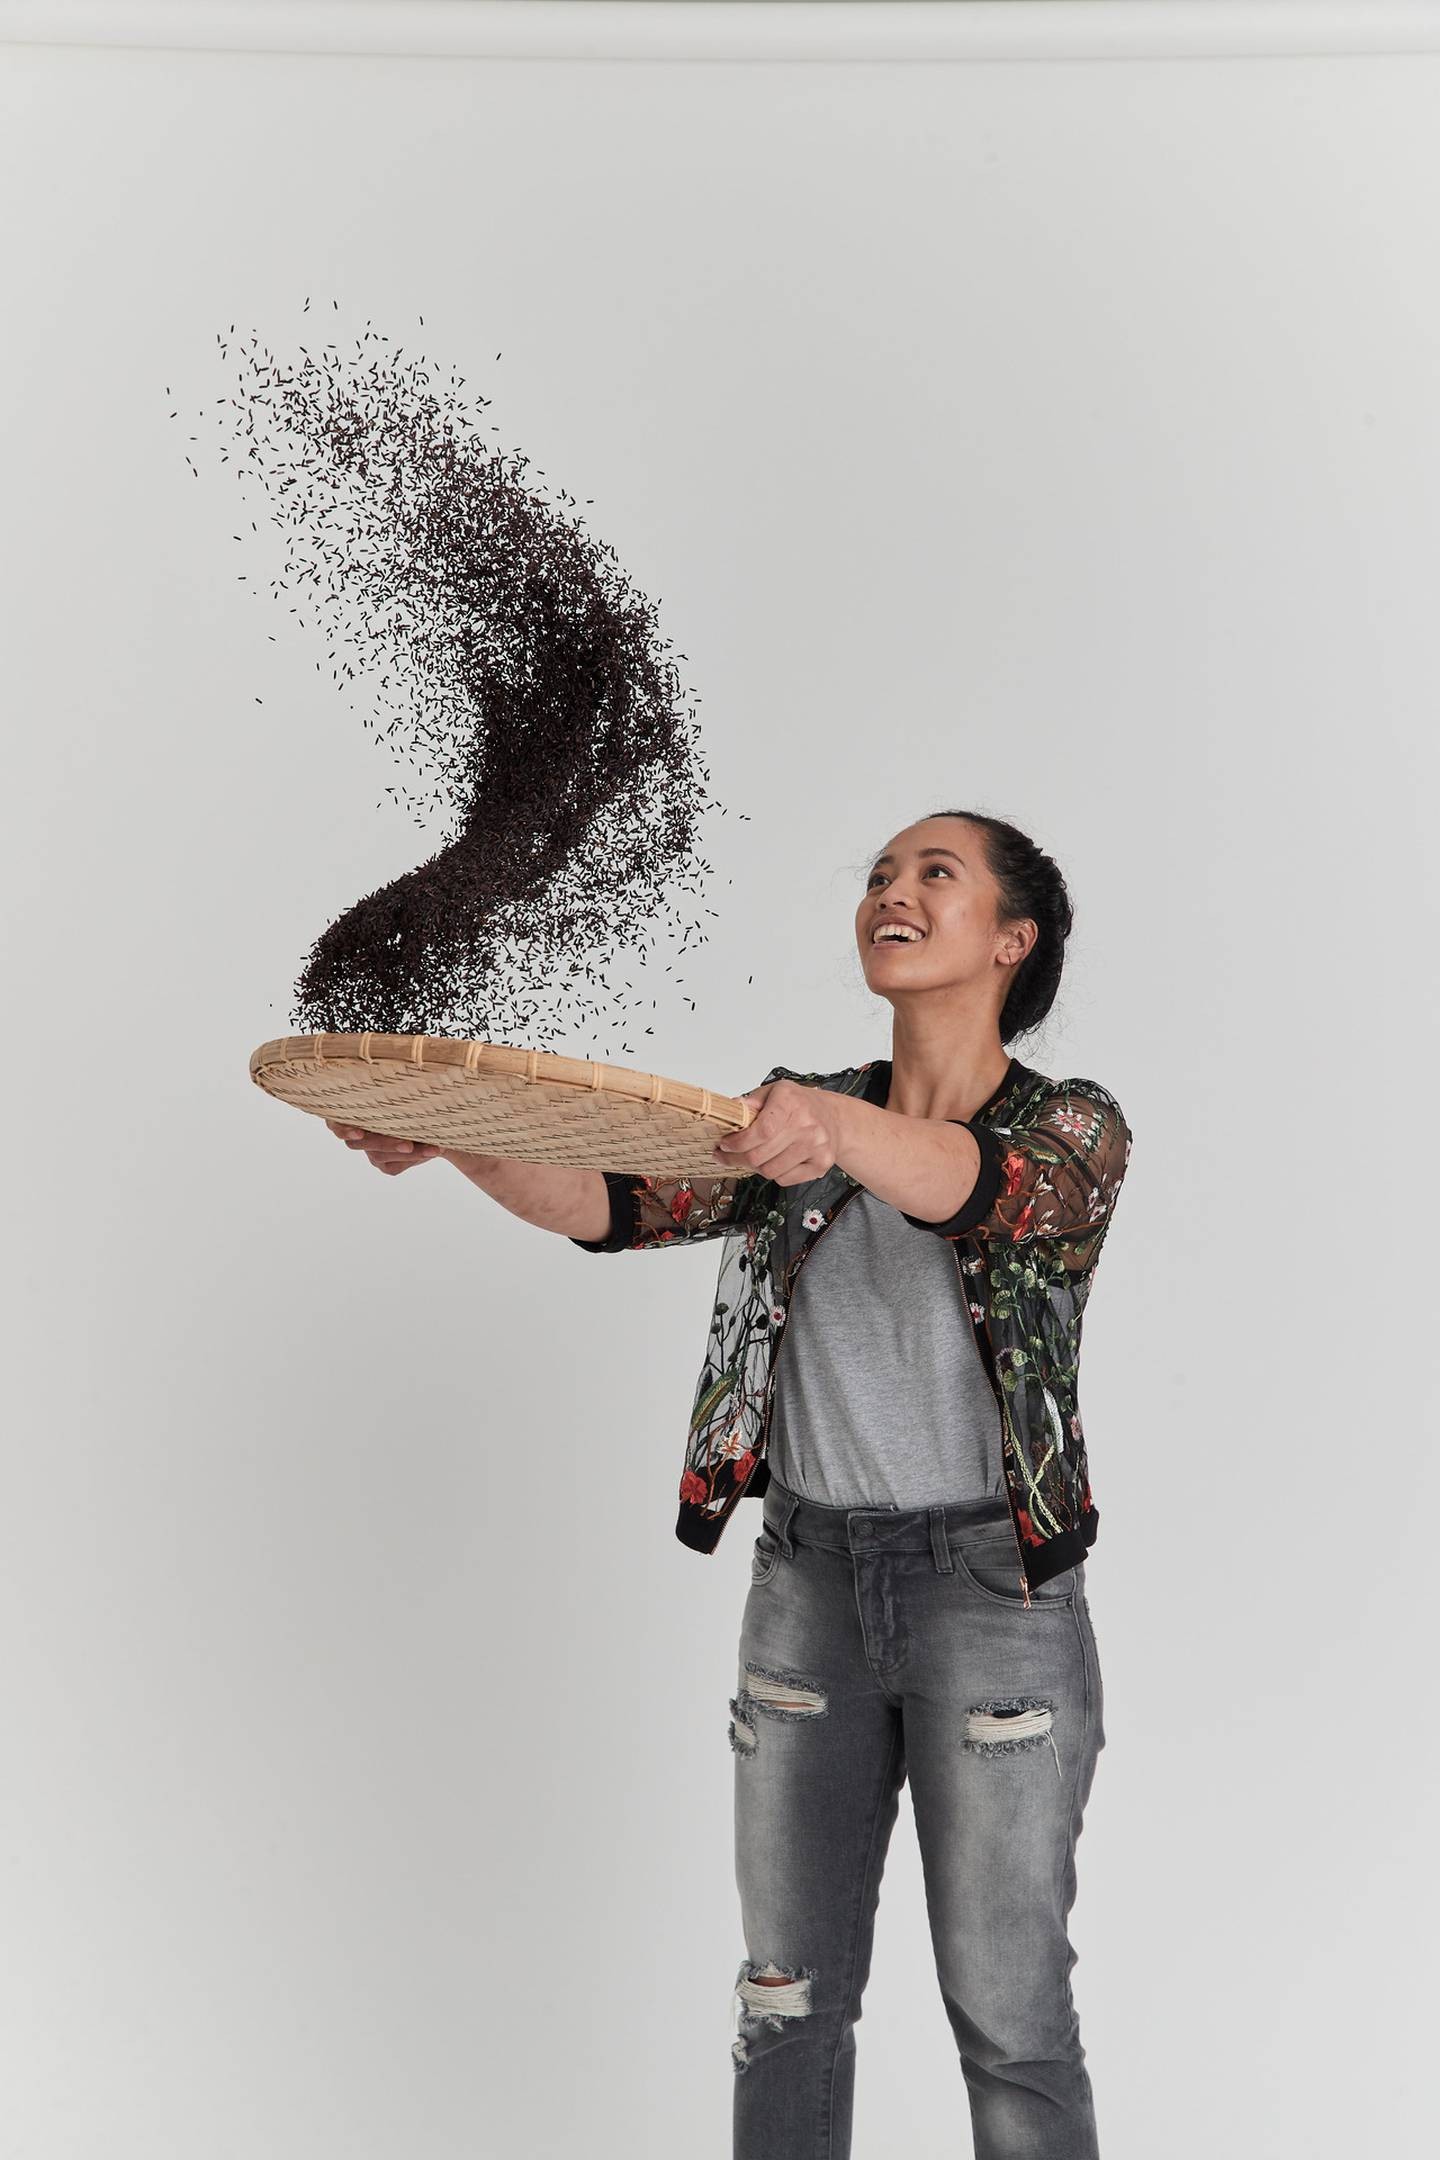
(940,1544)
(788,1506)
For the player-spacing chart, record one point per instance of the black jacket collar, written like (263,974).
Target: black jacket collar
(877,1085)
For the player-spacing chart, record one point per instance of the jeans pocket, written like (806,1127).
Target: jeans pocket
(766,1556)
(992,1566)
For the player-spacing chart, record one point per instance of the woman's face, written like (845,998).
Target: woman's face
(932,879)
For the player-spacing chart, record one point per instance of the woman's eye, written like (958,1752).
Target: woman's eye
(877,877)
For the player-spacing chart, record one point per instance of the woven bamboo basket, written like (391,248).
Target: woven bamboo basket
(493,1099)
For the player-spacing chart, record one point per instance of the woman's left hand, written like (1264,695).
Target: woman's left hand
(795,1136)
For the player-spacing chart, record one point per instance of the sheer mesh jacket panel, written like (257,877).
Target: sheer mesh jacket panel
(648,1212)
(1056,1177)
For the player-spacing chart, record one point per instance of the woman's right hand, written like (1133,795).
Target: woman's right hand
(552,1196)
(383,1149)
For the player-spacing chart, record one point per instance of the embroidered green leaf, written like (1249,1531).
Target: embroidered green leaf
(712,1397)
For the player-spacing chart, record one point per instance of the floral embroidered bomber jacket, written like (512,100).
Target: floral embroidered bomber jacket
(1026,1244)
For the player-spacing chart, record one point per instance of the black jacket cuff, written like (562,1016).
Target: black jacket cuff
(987,1186)
(620,1185)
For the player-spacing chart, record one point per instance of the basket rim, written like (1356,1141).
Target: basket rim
(546,1067)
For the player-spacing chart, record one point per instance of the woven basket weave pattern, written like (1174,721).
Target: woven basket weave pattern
(493,1099)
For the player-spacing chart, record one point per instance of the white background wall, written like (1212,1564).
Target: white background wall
(1001,428)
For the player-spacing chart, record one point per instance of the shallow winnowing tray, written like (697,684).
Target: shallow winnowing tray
(493,1099)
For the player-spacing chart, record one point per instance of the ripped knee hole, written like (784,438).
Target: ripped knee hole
(1009,1724)
(779,1695)
(766,1996)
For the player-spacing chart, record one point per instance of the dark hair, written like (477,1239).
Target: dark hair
(1030,884)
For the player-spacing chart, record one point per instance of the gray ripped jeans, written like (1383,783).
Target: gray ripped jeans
(879,1643)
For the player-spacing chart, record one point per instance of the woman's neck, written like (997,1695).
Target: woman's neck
(945,1080)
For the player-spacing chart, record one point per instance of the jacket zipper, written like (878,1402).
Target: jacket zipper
(775,1355)
(1009,1511)
(970,1323)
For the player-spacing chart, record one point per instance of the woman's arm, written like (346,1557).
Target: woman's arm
(571,1201)
(930,1164)
(648,1212)
(799,1133)
(1055,1176)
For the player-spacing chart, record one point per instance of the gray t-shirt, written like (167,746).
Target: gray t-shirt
(880,1395)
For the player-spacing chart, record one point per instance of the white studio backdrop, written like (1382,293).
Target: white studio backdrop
(1043,418)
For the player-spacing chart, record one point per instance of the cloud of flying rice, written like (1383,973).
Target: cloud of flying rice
(523,676)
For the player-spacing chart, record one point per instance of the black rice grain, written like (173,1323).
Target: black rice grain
(525,681)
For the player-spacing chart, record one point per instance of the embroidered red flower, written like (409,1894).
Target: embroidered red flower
(683,1201)
(1012,1177)
(743,1465)
(1027,1529)
(693,1488)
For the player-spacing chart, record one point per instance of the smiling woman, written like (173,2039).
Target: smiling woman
(365,1449)
(992,913)
(919,1234)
